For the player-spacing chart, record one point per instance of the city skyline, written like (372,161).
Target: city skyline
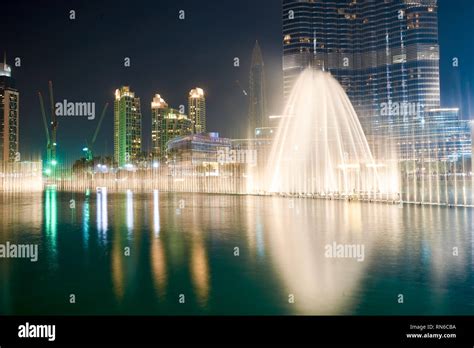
(386,57)
(246,158)
(231,98)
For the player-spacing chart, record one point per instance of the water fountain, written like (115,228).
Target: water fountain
(320,148)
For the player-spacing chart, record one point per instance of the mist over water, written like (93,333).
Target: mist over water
(320,147)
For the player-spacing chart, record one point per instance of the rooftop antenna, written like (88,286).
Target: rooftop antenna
(5,58)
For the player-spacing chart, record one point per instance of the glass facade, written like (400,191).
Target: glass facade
(385,53)
(197,149)
(9,116)
(441,135)
(127,127)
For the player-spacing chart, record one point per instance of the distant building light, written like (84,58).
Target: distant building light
(158,102)
(196,93)
(444,110)
(272,117)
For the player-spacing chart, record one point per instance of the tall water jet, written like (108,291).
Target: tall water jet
(320,147)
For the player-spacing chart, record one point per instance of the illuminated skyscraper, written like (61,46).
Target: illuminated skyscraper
(127,127)
(382,52)
(197,109)
(9,115)
(166,124)
(257,108)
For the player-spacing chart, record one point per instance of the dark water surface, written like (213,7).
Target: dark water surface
(186,244)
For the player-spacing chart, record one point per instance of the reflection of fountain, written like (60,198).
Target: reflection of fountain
(321,285)
(199,267)
(157,252)
(156,213)
(320,147)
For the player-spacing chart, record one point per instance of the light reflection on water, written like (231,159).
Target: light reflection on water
(130,253)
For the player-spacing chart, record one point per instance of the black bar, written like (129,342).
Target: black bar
(289,330)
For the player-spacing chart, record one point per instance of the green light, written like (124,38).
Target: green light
(54,162)
(85,149)
(48,171)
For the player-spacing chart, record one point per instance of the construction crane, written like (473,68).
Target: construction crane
(54,124)
(51,146)
(46,129)
(90,144)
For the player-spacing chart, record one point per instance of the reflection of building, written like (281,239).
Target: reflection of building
(257,108)
(127,127)
(9,115)
(380,51)
(198,150)
(197,110)
(166,124)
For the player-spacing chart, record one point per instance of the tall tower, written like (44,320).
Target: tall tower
(197,109)
(9,115)
(257,107)
(158,110)
(382,52)
(127,127)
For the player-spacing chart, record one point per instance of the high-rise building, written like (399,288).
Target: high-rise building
(197,109)
(159,109)
(166,124)
(127,127)
(258,117)
(9,115)
(382,52)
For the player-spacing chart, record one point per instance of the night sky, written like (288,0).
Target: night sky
(84,59)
